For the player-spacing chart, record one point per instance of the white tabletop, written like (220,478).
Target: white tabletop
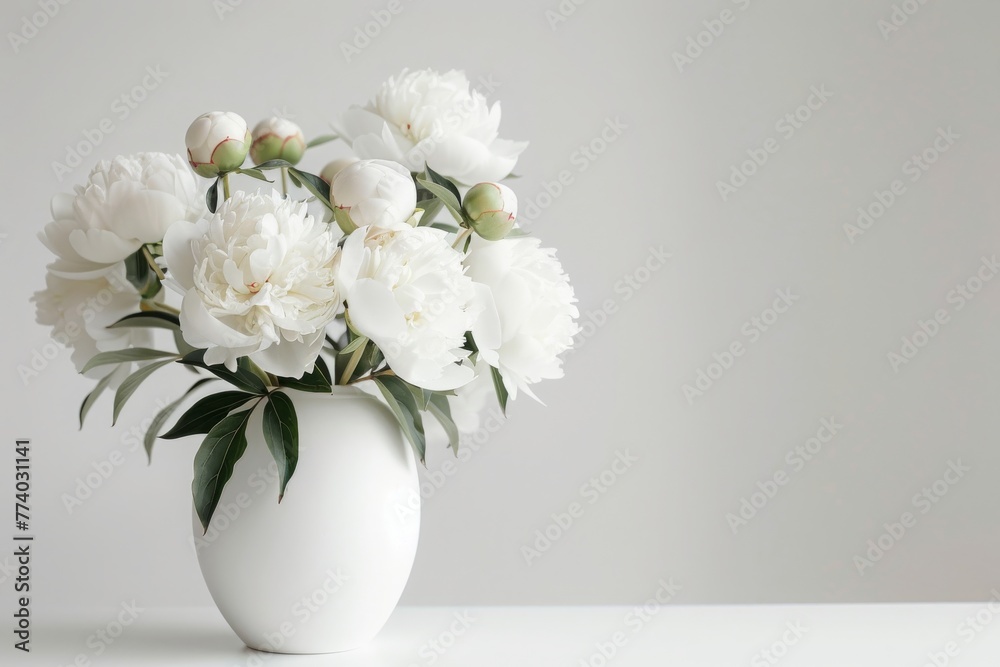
(813,635)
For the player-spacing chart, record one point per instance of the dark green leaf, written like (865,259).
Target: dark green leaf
(273,164)
(149,320)
(443,181)
(141,276)
(212,196)
(244,377)
(446,196)
(206,413)
(92,397)
(281,433)
(314,184)
(441,409)
(254,173)
(163,415)
(128,354)
(322,139)
(404,407)
(500,388)
(314,381)
(131,383)
(215,461)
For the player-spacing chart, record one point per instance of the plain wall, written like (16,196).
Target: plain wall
(609,69)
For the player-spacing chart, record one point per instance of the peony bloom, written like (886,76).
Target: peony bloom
(334,167)
(378,193)
(534,301)
(80,312)
(125,203)
(426,118)
(492,208)
(277,139)
(217,142)
(257,279)
(406,290)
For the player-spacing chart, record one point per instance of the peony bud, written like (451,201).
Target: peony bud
(333,168)
(492,209)
(375,192)
(277,139)
(217,142)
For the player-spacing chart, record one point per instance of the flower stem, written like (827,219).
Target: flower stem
(284,181)
(461,237)
(225,185)
(152,263)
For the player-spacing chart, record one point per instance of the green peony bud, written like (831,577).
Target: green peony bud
(277,139)
(217,142)
(492,210)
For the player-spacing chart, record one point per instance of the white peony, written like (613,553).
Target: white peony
(258,281)
(424,117)
(126,202)
(406,290)
(80,312)
(375,192)
(534,301)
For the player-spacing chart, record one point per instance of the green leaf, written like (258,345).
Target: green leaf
(343,219)
(314,184)
(281,433)
(431,207)
(141,276)
(137,270)
(244,378)
(443,181)
(206,413)
(212,196)
(163,415)
(446,196)
(273,164)
(500,388)
(517,233)
(131,383)
(148,320)
(322,139)
(253,172)
(122,356)
(92,397)
(315,380)
(451,229)
(403,405)
(354,344)
(215,461)
(441,409)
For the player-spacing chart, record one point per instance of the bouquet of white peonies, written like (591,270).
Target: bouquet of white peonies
(402,267)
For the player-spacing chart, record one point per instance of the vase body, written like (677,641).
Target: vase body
(321,571)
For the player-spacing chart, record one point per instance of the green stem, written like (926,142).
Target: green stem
(284,181)
(461,237)
(152,263)
(225,185)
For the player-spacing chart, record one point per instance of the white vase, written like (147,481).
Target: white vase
(321,571)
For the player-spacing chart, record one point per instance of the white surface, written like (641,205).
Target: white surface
(654,186)
(708,636)
(322,570)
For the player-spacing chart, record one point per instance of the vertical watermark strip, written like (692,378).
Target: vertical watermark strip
(22,544)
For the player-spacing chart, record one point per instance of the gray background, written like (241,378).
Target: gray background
(654,186)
